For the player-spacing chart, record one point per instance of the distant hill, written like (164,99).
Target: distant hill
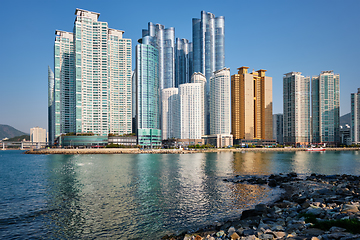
(345,119)
(19,138)
(7,131)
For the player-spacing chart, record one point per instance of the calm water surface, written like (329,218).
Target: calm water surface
(140,196)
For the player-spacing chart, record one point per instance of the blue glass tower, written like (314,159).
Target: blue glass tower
(163,39)
(147,93)
(183,61)
(208,44)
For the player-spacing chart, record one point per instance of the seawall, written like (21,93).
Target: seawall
(167,151)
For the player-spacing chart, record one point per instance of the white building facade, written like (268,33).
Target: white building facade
(220,102)
(170,113)
(200,78)
(296,100)
(92,79)
(38,135)
(191,112)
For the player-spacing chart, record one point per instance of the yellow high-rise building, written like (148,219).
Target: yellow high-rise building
(251,105)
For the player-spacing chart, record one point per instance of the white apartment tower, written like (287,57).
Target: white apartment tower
(191,112)
(296,100)
(170,113)
(38,134)
(200,78)
(355,117)
(220,102)
(92,79)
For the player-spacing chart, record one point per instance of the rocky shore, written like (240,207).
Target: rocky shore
(313,207)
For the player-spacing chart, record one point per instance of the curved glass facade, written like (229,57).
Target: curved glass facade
(183,61)
(208,44)
(147,93)
(164,40)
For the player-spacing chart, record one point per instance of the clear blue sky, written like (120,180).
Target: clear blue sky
(281,36)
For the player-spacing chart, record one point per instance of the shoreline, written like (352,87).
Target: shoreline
(167,151)
(308,209)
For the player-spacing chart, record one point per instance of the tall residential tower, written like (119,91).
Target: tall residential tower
(91,92)
(251,105)
(220,102)
(325,95)
(208,44)
(296,94)
(147,93)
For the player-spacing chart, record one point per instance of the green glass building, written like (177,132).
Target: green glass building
(325,94)
(147,93)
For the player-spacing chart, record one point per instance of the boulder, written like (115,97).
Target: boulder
(349,208)
(234,236)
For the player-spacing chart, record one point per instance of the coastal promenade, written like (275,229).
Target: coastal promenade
(167,151)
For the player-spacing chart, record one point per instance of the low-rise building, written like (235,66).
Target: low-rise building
(123,140)
(345,135)
(219,140)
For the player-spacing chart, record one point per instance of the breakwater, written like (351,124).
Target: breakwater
(167,151)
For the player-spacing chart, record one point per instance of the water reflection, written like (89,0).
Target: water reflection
(148,195)
(63,198)
(249,163)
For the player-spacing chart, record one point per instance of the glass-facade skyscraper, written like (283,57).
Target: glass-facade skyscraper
(208,44)
(92,79)
(147,93)
(296,100)
(163,39)
(325,100)
(183,61)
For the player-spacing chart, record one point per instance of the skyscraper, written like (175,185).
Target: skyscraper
(92,79)
(183,61)
(170,113)
(64,88)
(120,83)
(163,39)
(296,95)
(200,78)
(191,112)
(325,95)
(147,93)
(208,48)
(208,44)
(355,117)
(220,102)
(251,105)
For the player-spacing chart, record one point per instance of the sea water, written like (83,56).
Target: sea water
(141,196)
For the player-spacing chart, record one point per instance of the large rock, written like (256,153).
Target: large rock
(315,211)
(252,213)
(234,236)
(266,236)
(349,208)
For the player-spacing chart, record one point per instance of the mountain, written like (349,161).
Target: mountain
(345,119)
(7,131)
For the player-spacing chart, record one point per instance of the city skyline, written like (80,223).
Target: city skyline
(300,34)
